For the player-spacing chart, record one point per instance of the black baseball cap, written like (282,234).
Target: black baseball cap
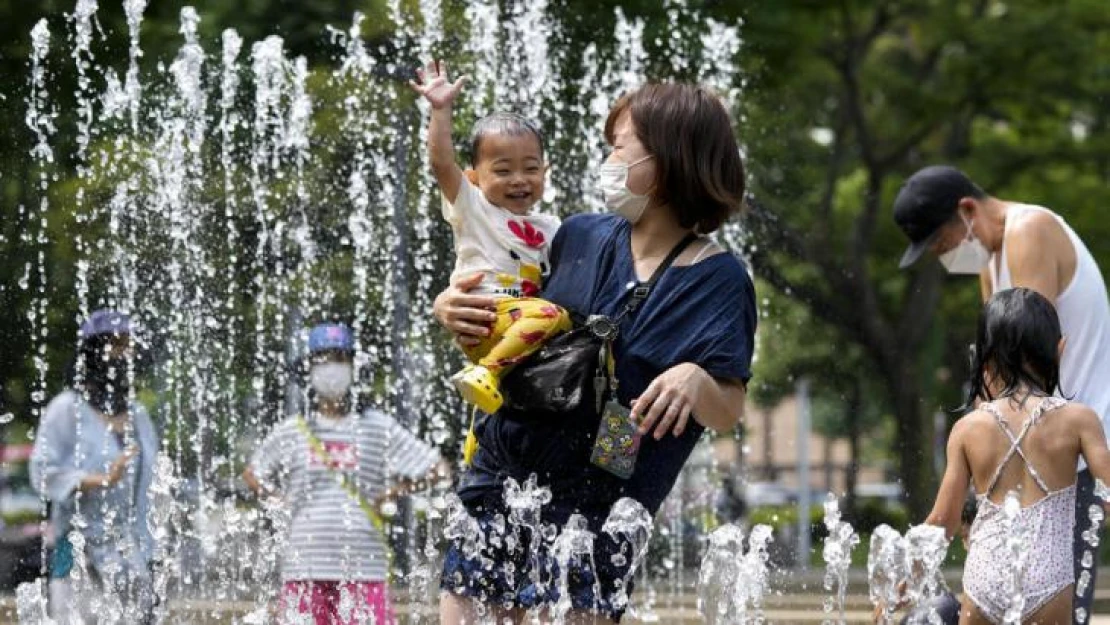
(926,201)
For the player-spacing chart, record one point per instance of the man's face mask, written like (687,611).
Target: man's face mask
(969,257)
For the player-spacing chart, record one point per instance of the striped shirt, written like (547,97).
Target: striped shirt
(330,538)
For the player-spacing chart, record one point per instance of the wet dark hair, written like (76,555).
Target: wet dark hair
(502,123)
(699,172)
(1017,344)
(90,354)
(969,511)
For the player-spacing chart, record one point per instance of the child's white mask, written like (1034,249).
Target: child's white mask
(331,380)
(969,257)
(613,183)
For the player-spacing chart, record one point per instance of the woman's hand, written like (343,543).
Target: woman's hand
(669,399)
(468,317)
(116,471)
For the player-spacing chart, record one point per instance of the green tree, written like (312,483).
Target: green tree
(846,98)
(846,400)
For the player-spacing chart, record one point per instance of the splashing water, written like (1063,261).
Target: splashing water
(719,570)
(31,602)
(40,120)
(1087,562)
(906,569)
(1095,515)
(459,525)
(732,583)
(630,525)
(756,566)
(162,514)
(226,200)
(1102,491)
(525,503)
(837,554)
(574,546)
(925,549)
(886,568)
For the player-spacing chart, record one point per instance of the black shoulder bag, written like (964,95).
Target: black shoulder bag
(572,373)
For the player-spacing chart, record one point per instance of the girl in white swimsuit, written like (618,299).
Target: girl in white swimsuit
(1022,439)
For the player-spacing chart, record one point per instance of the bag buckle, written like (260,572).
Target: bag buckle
(602,327)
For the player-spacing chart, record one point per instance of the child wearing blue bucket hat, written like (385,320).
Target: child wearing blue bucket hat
(333,468)
(93,459)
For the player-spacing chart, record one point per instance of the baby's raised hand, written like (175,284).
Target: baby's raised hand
(432,83)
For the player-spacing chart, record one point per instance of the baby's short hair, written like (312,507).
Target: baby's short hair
(502,123)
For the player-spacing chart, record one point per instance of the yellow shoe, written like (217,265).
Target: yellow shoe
(478,387)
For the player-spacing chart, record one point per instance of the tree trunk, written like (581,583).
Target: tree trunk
(914,441)
(851,476)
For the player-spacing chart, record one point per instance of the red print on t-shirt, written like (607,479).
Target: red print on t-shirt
(341,454)
(527,233)
(529,288)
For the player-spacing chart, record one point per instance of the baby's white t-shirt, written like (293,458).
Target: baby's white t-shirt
(511,250)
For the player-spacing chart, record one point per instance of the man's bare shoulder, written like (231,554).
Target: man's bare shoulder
(1033,226)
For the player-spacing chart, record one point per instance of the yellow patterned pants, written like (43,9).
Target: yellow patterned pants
(523,325)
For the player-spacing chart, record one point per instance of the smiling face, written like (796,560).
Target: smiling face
(510,171)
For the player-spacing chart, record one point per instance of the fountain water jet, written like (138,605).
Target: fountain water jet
(227,200)
(906,570)
(732,583)
(837,554)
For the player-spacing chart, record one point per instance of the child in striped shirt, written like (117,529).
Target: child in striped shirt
(332,469)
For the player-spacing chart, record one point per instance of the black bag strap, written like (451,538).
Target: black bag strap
(642,290)
(604,327)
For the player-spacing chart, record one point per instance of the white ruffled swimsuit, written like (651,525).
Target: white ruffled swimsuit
(1047,525)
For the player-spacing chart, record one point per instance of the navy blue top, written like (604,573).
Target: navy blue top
(703,313)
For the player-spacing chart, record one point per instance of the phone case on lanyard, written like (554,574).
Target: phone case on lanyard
(617,443)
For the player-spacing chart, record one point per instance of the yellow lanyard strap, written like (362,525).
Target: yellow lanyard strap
(372,514)
(322,453)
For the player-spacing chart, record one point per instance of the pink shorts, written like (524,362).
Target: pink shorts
(335,603)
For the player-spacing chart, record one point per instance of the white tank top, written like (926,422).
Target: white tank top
(1084,311)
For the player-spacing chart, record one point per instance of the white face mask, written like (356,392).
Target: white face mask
(969,257)
(613,183)
(331,380)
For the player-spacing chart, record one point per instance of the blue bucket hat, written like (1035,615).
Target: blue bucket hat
(330,336)
(105,321)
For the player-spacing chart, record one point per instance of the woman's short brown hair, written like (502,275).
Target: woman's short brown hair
(699,173)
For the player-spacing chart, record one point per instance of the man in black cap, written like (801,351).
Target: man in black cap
(1009,244)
